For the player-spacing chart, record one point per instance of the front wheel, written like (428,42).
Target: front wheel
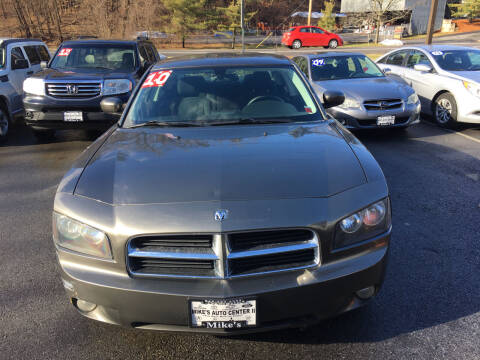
(445,111)
(296,44)
(333,44)
(4,123)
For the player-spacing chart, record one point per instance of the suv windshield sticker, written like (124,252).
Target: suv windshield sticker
(437,53)
(318,62)
(65,52)
(157,78)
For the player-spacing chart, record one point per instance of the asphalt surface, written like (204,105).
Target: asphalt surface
(429,307)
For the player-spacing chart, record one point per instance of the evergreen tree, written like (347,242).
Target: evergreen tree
(467,8)
(327,21)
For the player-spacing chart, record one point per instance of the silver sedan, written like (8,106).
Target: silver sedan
(372,100)
(446,79)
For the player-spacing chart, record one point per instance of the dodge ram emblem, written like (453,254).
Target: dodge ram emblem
(221,215)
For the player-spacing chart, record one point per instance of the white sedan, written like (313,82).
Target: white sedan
(446,79)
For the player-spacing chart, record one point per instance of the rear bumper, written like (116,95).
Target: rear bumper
(291,299)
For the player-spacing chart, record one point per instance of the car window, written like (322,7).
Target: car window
(291,29)
(458,60)
(96,57)
(317,31)
(32,54)
(305,30)
(302,64)
(397,58)
(151,54)
(209,95)
(417,57)
(143,54)
(2,57)
(15,54)
(344,67)
(43,53)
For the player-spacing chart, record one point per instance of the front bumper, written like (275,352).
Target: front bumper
(45,112)
(289,299)
(364,119)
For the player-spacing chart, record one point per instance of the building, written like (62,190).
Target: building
(420,10)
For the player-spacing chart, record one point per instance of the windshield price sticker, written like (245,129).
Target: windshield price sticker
(157,79)
(318,62)
(65,52)
(437,53)
(223,314)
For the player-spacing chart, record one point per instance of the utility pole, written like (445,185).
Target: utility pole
(309,11)
(431,21)
(242,25)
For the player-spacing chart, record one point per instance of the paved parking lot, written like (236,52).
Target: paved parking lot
(429,307)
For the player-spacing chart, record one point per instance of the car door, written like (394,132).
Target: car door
(16,76)
(305,36)
(318,37)
(33,58)
(420,81)
(395,62)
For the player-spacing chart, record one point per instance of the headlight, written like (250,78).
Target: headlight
(364,224)
(412,99)
(472,87)
(73,235)
(34,86)
(349,103)
(116,86)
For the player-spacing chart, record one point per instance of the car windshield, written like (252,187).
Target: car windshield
(2,57)
(458,60)
(96,57)
(222,95)
(344,67)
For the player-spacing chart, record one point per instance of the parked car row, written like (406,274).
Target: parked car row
(227,198)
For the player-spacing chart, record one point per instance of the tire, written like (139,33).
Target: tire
(4,123)
(333,44)
(296,44)
(445,111)
(44,134)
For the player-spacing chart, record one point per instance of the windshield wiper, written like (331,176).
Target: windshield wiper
(165,124)
(250,121)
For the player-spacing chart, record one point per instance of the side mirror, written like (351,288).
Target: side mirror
(112,105)
(43,64)
(332,98)
(20,64)
(387,71)
(422,67)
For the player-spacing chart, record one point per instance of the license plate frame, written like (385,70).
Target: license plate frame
(386,120)
(73,116)
(220,322)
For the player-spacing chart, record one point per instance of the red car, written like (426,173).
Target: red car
(299,36)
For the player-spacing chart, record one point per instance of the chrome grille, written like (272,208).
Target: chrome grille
(382,104)
(222,255)
(73,89)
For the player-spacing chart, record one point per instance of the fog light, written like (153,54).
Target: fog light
(366,293)
(85,306)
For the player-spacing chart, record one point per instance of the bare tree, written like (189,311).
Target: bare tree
(384,11)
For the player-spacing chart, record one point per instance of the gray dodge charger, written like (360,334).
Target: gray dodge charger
(224,201)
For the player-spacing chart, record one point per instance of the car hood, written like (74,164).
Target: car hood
(79,74)
(165,165)
(466,75)
(366,89)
